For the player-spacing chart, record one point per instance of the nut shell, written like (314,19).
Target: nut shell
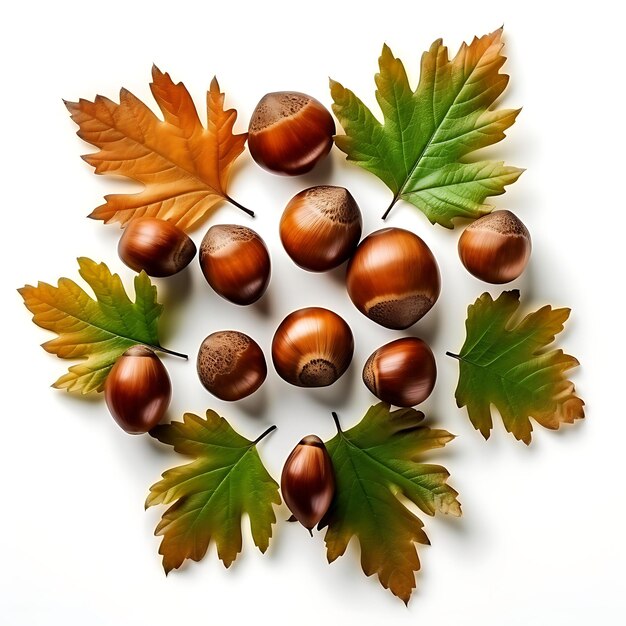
(231,365)
(402,372)
(138,390)
(235,262)
(320,228)
(308,481)
(155,246)
(290,132)
(496,247)
(312,347)
(393,278)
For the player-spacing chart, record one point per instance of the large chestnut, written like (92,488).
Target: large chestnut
(231,365)
(308,481)
(402,372)
(155,246)
(496,247)
(138,390)
(393,278)
(235,262)
(312,347)
(321,227)
(290,132)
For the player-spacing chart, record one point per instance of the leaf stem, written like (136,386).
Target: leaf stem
(266,432)
(337,424)
(239,206)
(393,202)
(180,355)
(454,356)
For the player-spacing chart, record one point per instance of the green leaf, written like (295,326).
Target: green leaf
(506,364)
(418,150)
(96,331)
(225,480)
(375,464)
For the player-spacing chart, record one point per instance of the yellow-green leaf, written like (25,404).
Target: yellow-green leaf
(419,148)
(507,365)
(96,332)
(209,495)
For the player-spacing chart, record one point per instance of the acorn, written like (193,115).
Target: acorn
(393,278)
(290,132)
(235,262)
(402,372)
(321,227)
(138,390)
(496,247)
(308,481)
(312,347)
(231,365)
(155,246)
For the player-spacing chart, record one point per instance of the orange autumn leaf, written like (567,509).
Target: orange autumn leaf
(183,166)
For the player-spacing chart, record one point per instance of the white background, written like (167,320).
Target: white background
(542,536)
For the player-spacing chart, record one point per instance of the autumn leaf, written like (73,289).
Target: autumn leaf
(376,463)
(507,365)
(183,166)
(225,480)
(418,150)
(94,331)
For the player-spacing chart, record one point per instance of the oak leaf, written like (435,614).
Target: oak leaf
(507,365)
(418,151)
(225,480)
(376,462)
(183,166)
(97,331)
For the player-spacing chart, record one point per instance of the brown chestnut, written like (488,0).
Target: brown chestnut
(496,247)
(290,132)
(235,262)
(321,227)
(231,365)
(312,347)
(308,481)
(393,278)
(155,246)
(138,390)
(402,372)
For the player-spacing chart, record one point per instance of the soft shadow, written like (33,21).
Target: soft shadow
(255,404)
(320,174)
(338,274)
(174,293)
(263,307)
(336,395)
(427,328)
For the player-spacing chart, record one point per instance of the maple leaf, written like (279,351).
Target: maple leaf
(98,331)
(225,480)
(417,152)
(506,365)
(183,166)
(375,462)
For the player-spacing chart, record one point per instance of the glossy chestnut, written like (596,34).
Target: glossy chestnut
(312,347)
(138,390)
(321,227)
(496,247)
(402,372)
(290,132)
(308,481)
(231,365)
(393,278)
(235,262)
(156,246)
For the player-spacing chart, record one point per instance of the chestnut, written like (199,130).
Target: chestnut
(321,227)
(393,278)
(496,247)
(155,246)
(231,365)
(235,262)
(402,372)
(138,390)
(308,481)
(290,132)
(312,347)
